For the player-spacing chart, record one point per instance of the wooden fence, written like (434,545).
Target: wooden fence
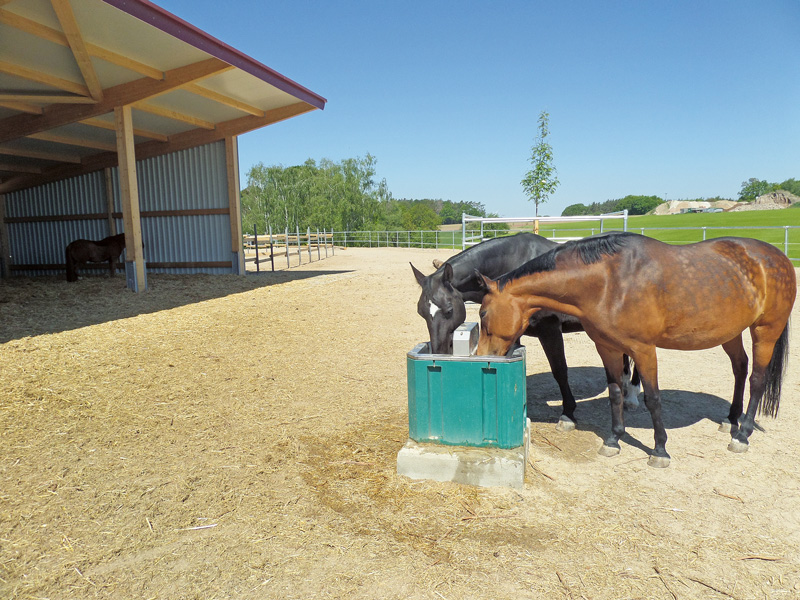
(266,247)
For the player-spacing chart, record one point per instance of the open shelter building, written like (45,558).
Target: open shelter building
(118,116)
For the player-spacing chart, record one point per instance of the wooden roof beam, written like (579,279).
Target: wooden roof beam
(72,30)
(71,140)
(19,168)
(127,93)
(53,35)
(146,133)
(40,155)
(23,98)
(223,99)
(20,106)
(179,141)
(45,78)
(172,114)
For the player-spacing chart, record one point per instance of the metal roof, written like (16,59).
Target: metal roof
(66,64)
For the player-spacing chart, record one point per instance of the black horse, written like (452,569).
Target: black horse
(79,252)
(455,282)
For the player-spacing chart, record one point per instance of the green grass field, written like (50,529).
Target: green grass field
(688,228)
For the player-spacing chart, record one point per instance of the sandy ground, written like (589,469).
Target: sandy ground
(236,437)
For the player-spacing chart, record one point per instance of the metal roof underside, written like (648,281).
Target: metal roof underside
(66,64)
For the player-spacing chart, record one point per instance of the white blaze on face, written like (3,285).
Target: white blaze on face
(433,308)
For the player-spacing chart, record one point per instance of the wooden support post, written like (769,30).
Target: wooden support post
(129,195)
(234,202)
(255,243)
(112,223)
(286,239)
(271,249)
(5,253)
(308,241)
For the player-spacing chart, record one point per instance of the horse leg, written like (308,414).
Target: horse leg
(612,361)
(630,384)
(763,350)
(647,365)
(111,266)
(549,333)
(735,351)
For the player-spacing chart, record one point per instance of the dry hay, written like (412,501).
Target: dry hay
(228,437)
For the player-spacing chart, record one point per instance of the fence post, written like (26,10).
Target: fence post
(308,241)
(704,234)
(319,257)
(299,249)
(271,250)
(255,242)
(786,240)
(288,264)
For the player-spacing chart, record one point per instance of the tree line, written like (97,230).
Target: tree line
(347,196)
(340,196)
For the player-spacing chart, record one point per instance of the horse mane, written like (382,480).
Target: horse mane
(589,250)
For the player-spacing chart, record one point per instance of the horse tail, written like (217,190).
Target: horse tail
(774,375)
(72,274)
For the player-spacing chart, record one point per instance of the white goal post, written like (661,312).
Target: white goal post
(477,238)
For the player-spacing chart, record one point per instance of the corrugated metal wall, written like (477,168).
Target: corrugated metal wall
(187,180)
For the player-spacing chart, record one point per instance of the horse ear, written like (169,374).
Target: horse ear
(447,274)
(420,277)
(484,283)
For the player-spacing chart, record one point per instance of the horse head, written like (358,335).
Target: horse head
(503,319)
(442,307)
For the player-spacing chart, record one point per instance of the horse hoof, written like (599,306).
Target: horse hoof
(737,446)
(658,462)
(565,424)
(725,427)
(608,450)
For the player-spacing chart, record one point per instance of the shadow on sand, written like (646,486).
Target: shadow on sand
(680,408)
(31,306)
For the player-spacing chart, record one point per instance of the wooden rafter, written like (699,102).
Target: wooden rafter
(21,106)
(72,141)
(223,99)
(45,78)
(120,95)
(53,35)
(41,155)
(19,168)
(179,141)
(72,30)
(27,97)
(172,114)
(146,133)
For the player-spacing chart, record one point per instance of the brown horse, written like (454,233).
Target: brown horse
(83,251)
(683,297)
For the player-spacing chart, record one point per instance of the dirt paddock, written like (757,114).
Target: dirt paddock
(236,437)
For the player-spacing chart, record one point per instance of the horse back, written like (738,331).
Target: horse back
(496,257)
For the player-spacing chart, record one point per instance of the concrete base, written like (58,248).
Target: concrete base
(485,467)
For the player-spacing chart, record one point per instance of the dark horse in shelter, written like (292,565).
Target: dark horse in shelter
(83,251)
(441,304)
(689,297)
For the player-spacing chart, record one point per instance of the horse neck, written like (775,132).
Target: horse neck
(561,290)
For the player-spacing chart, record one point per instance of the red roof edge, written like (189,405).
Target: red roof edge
(156,16)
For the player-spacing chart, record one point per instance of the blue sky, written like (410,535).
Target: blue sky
(680,99)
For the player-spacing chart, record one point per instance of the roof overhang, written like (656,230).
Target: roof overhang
(65,65)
